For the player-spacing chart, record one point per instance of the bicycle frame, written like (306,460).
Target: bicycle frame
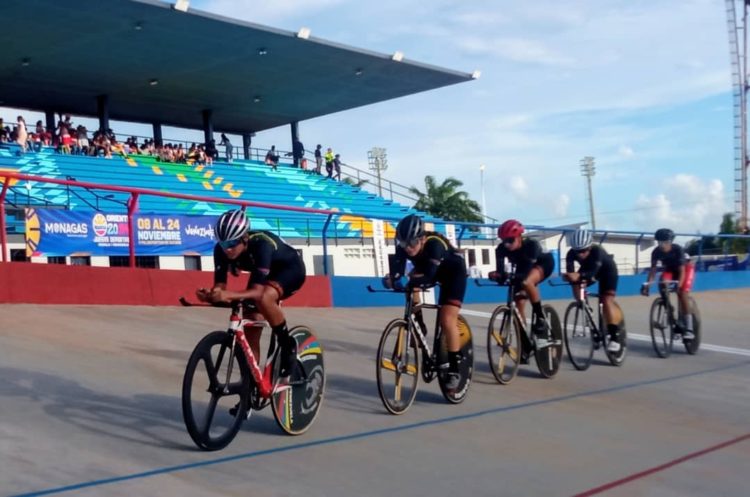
(236,328)
(410,309)
(665,289)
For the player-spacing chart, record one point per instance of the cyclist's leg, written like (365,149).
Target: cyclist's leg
(683,294)
(452,278)
(538,273)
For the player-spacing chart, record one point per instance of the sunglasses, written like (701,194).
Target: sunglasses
(408,244)
(581,251)
(508,241)
(230,244)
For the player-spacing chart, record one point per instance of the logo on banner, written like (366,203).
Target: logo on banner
(99,223)
(33,233)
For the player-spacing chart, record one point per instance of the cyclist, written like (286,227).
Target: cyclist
(595,264)
(435,260)
(532,267)
(676,266)
(276,272)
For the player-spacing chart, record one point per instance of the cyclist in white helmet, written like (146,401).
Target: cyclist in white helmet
(595,264)
(276,272)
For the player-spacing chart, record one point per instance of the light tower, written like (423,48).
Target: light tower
(588,170)
(378,161)
(738,59)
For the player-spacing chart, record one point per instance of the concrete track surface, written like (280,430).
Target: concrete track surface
(90,406)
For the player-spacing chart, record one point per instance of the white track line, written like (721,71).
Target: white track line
(642,338)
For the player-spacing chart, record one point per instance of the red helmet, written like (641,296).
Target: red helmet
(510,229)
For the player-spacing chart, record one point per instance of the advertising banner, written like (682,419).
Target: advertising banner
(56,232)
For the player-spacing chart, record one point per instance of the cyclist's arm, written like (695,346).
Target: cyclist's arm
(433,254)
(594,264)
(499,263)
(652,270)
(262,254)
(399,263)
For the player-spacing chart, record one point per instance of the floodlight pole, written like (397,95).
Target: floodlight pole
(378,161)
(588,169)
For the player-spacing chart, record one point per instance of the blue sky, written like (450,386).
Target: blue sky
(642,85)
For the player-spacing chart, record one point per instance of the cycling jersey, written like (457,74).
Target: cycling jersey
(671,261)
(268,259)
(438,262)
(598,266)
(524,258)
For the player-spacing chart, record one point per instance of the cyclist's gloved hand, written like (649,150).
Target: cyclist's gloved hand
(401,283)
(387,282)
(645,289)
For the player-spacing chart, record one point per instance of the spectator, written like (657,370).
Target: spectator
(329,161)
(211,152)
(318,159)
(228,147)
(272,158)
(192,154)
(337,166)
(298,152)
(21,133)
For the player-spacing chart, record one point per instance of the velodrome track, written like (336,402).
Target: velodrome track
(90,406)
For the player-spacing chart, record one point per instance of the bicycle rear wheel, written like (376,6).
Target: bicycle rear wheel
(548,358)
(465,368)
(397,368)
(661,331)
(692,346)
(503,345)
(296,400)
(207,397)
(579,341)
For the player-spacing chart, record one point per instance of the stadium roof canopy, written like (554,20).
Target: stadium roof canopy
(157,64)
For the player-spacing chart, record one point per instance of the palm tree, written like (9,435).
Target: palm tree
(446,201)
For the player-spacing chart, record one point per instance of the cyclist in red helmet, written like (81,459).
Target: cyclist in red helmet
(532,267)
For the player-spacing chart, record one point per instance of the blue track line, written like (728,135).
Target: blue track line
(372,433)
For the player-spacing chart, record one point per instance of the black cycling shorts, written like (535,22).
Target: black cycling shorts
(451,275)
(547,264)
(607,281)
(288,278)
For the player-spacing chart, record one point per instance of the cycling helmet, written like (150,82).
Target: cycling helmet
(580,239)
(664,235)
(510,229)
(409,229)
(231,226)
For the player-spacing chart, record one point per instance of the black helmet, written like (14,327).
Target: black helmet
(664,235)
(409,229)
(232,225)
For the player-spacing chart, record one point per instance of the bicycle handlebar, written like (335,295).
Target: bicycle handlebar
(408,289)
(234,304)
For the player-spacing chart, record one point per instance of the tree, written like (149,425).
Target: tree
(717,245)
(446,201)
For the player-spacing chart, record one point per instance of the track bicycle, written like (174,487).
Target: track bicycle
(398,359)
(665,327)
(584,334)
(509,342)
(224,382)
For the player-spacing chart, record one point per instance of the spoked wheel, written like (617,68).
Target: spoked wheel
(615,358)
(465,368)
(397,367)
(548,358)
(297,399)
(216,380)
(503,345)
(579,341)
(692,346)
(661,332)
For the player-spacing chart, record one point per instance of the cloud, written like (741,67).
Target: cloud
(518,187)
(688,204)
(562,204)
(515,49)
(625,152)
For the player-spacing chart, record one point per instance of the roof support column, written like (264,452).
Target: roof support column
(208,125)
(102,111)
(49,117)
(247,140)
(157,133)
(295,139)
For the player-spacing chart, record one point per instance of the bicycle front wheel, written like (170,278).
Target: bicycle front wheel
(579,341)
(397,367)
(661,331)
(692,346)
(548,358)
(296,400)
(216,380)
(503,345)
